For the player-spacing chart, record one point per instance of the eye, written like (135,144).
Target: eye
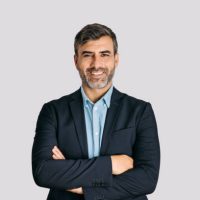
(105,55)
(86,55)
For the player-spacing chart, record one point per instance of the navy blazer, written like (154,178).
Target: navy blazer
(130,128)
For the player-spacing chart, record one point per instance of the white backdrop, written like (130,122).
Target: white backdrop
(159,46)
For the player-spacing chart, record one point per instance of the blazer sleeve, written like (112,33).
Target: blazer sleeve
(63,174)
(142,179)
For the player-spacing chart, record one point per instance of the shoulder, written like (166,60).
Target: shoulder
(133,104)
(129,99)
(63,102)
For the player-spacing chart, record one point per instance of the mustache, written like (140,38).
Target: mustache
(94,69)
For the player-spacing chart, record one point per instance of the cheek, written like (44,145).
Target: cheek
(111,64)
(83,70)
(110,61)
(83,64)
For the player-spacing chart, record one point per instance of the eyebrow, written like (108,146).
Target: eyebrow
(86,52)
(90,52)
(106,51)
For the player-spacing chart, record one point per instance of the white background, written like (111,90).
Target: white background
(159,46)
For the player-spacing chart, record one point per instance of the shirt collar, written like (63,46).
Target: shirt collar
(106,97)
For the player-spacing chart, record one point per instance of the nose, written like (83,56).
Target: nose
(97,61)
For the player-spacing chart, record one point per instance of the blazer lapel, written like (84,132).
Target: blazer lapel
(76,106)
(111,118)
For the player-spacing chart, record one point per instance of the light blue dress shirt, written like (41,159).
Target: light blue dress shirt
(95,115)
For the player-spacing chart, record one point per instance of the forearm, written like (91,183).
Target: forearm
(67,174)
(130,184)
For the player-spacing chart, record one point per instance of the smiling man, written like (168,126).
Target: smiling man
(96,143)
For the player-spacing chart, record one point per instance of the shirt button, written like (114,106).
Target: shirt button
(96,133)
(95,108)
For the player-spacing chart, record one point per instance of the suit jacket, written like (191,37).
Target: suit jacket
(130,128)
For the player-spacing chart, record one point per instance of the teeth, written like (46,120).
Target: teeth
(97,73)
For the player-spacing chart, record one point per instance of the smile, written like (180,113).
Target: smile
(97,73)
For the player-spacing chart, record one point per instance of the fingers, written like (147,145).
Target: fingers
(57,154)
(76,190)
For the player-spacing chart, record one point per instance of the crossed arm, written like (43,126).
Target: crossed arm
(120,164)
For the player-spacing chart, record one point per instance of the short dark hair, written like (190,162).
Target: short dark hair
(94,32)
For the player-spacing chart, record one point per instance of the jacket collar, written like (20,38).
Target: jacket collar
(77,111)
(116,95)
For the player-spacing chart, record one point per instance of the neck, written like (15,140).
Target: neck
(95,94)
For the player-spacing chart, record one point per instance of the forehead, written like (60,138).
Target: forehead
(101,44)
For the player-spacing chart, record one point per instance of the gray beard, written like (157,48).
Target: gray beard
(103,84)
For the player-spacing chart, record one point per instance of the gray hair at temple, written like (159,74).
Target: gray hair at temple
(94,32)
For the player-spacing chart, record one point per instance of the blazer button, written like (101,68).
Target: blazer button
(100,197)
(94,184)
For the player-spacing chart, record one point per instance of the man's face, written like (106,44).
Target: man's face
(96,62)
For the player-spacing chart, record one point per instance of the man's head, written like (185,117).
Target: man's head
(96,55)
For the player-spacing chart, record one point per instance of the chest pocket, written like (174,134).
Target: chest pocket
(122,141)
(129,130)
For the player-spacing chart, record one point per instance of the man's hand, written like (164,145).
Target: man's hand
(121,163)
(57,155)
(76,190)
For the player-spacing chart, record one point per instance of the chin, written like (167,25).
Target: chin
(97,85)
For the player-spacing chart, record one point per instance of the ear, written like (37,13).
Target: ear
(76,60)
(116,59)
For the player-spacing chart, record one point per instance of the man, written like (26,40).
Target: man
(96,143)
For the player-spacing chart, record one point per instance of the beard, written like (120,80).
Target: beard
(97,78)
